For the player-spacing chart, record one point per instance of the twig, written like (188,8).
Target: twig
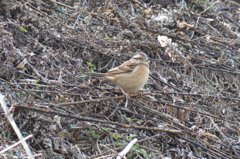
(100,99)
(127,148)
(17,143)
(208,7)
(134,1)
(106,152)
(15,127)
(64,5)
(98,120)
(214,151)
(109,149)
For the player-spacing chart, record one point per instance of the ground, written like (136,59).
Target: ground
(189,107)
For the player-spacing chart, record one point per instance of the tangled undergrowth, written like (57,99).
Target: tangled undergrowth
(191,106)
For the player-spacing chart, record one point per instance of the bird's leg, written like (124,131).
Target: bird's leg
(127,96)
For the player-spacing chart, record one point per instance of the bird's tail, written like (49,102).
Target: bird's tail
(94,74)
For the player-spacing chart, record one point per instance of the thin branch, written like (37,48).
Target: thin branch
(15,127)
(98,120)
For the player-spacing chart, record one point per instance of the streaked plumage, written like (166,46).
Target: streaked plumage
(129,76)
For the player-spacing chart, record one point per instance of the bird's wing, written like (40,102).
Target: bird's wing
(127,66)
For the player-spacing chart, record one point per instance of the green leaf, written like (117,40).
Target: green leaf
(23,29)
(131,136)
(143,151)
(115,136)
(90,64)
(127,118)
(106,129)
(73,125)
(61,101)
(93,133)
(108,38)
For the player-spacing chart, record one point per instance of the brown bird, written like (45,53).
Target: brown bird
(129,76)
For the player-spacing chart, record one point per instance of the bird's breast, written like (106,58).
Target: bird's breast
(133,81)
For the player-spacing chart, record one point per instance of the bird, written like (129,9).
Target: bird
(130,76)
